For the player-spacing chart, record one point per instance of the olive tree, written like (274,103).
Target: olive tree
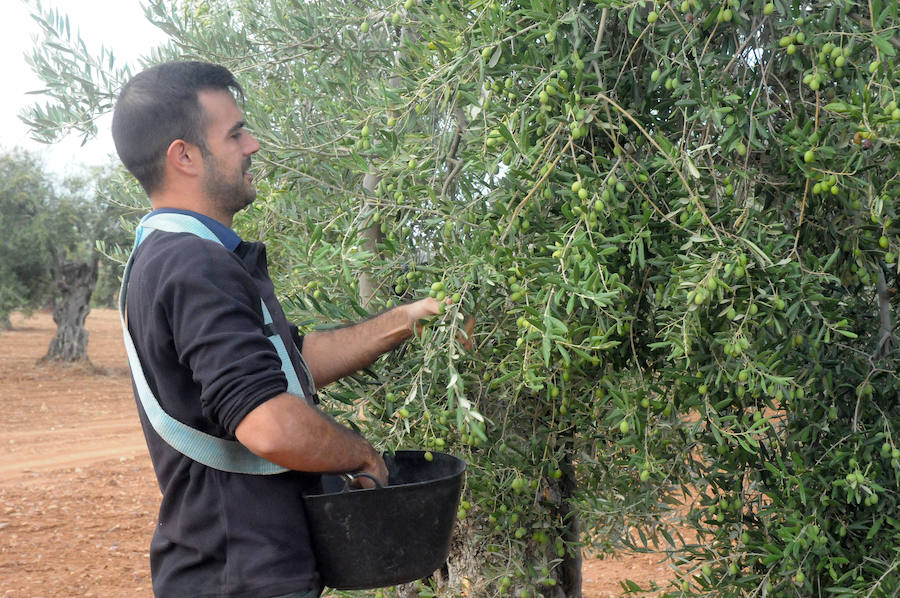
(676,225)
(82,220)
(50,258)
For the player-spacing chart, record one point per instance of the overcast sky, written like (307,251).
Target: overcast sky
(119,25)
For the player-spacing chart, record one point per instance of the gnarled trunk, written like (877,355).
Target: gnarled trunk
(75,283)
(462,574)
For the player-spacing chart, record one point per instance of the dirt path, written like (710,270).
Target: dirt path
(78,499)
(77,495)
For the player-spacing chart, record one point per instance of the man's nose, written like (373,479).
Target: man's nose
(252,146)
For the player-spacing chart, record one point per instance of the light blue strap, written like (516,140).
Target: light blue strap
(212,451)
(287,367)
(182,223)
(175,223)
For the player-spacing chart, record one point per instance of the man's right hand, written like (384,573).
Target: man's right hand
(288,431)
(376,468)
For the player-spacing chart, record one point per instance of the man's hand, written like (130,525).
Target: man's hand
(428,307)
(374,467)
(421,309)
(333,354)
(288,431)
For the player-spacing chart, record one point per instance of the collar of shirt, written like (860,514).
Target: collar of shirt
(227,236)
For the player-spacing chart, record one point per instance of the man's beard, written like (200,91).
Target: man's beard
(230,194)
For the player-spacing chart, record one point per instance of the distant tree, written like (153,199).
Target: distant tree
(51,235)
(83,219)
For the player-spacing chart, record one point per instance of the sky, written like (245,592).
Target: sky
(119,25)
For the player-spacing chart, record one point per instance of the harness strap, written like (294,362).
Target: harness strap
(212,451)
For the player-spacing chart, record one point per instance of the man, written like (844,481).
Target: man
(207,330)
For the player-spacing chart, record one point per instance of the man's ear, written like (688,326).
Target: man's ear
(184,158)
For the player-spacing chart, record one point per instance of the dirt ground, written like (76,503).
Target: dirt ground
(78,498)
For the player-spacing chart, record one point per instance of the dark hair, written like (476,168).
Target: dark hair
(158,106)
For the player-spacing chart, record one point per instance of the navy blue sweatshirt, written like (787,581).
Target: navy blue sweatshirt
(194,314)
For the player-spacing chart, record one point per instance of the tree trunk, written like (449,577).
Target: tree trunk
(74,283)
(5,322)
(462,574)
(570,568)
(372,236)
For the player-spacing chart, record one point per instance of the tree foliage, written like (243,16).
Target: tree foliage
(677,227)
(25,261)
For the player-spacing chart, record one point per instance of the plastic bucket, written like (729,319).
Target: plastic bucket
(395,534)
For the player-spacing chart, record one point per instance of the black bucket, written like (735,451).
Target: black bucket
(385,536)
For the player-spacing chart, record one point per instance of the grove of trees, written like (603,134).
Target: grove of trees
(675,223)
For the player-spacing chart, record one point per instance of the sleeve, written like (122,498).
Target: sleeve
(213,307)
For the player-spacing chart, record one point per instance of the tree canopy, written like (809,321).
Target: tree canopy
(676,224)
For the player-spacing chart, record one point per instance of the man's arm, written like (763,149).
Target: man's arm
(289,432)
(333,354)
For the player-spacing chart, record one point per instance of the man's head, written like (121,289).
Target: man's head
(225,183)
(161,105)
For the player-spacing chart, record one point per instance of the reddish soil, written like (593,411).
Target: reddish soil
(78,498)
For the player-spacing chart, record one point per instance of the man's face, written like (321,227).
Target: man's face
(226,177)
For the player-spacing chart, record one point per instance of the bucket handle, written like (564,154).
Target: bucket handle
(350,477)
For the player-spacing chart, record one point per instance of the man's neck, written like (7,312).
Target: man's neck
(163,200)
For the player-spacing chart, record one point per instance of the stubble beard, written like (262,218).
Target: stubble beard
(229,194)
